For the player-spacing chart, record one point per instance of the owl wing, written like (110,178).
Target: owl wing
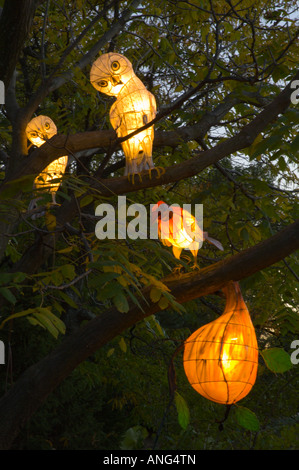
(116,118)
(128,113)
(53,171)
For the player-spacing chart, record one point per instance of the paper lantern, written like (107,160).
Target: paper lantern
(38,131)
(221,358)
(134,107)
(179,229)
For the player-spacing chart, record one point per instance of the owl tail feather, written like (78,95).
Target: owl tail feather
(141,163)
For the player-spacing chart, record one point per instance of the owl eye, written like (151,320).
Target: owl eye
(47,125)
(103,83)
(115,65)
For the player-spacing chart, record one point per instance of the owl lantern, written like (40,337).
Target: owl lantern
(221,358)
(179,229)
(134,107)
(38,131)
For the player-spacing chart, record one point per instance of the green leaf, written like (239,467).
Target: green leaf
(295,144)
(23,313)
(50,220)
(133,438)
(122,344)
(54,319)
(19,277)
(108,291)
(68,249)
(86,200)
(155,294)
(68,271)
(67,299)
(6,293)
(264,145)
(182,410)
(247,418)
(277,359)
(46,323)
(121,303)
(5,278)
(163,303)
(110,352)
(105,277)
(50,321)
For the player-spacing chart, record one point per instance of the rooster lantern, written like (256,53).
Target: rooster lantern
(179,229)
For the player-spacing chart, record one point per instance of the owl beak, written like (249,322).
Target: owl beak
(115,79)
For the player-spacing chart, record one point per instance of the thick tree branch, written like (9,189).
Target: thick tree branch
(31,390)
(88,140)
(15,24)
(114,186)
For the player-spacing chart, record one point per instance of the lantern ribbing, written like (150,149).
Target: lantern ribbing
(221,358)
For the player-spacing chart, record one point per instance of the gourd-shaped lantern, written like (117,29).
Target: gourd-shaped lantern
(134,107)
(221,358)
(38,131)
(179,229)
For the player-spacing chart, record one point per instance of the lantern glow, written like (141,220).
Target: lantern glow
(179,229)
(38,131)
(221,358)
(134,107)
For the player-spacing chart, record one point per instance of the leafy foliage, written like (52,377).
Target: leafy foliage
(119,397)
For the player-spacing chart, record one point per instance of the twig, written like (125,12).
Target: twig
(43,65)
(69,284)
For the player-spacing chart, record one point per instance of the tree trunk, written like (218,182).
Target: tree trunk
(15,24)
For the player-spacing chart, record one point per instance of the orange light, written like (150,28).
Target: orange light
(134,107)
(221,358)
(179,229)
(38,131)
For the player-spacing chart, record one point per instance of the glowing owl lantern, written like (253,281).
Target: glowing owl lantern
(221,358)
(134,107)
(179,229)
(38,130)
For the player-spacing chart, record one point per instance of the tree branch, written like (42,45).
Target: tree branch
(58,145)
(82,141)
(15,24)
(33,387)
(53,83)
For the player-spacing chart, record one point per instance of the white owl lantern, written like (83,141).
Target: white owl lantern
(38,130)
(134,107)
